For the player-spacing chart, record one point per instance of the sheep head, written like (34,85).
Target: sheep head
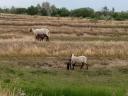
(72,55)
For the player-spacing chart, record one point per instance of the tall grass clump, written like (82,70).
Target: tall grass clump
(73,91)
(53,49)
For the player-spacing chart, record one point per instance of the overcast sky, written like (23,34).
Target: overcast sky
(119,5)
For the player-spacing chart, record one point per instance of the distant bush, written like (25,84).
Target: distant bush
(82,12)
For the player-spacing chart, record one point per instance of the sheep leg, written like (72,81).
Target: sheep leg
(73,66)
(36,37)
(42,37)
(39,37)
(82,66)
(87,66)
(68,66)
(47,38)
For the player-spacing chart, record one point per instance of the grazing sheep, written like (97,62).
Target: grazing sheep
(75,60)
(40,34)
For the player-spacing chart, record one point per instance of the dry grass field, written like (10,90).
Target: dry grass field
(105,43)
(101,41)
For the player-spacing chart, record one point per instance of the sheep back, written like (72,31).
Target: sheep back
(79,59)
(41,31)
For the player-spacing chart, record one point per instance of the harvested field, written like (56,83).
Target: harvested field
(105,43)
(97,39)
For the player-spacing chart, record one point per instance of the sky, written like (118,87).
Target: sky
(119,5)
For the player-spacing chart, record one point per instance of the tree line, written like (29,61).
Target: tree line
(46,9)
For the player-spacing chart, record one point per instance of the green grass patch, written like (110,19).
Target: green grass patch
(60,82)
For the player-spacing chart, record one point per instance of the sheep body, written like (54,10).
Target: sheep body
(41,31)
(78,60)
(40,34)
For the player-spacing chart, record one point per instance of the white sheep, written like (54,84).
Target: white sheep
(41,33)
(82,60)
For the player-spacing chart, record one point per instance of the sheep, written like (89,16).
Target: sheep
(40,34)
(77,60)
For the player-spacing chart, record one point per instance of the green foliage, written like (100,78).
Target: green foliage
(32,10)
(45,9)
(90,91)
(44,12)
(54,10)
(1,10)
(82,12)
(51,82)
(120,15)
(63,12)
(20,11)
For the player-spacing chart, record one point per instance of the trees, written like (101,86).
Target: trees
(63,12)
(45,9)
(120,15)
(32,10)
(105,11)
(54,10)
(38,6)
(13,10)
(20,11)
(82,12)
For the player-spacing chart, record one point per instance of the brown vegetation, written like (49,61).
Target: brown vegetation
(98,39)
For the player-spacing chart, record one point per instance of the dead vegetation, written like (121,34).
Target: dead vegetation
(98,39)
